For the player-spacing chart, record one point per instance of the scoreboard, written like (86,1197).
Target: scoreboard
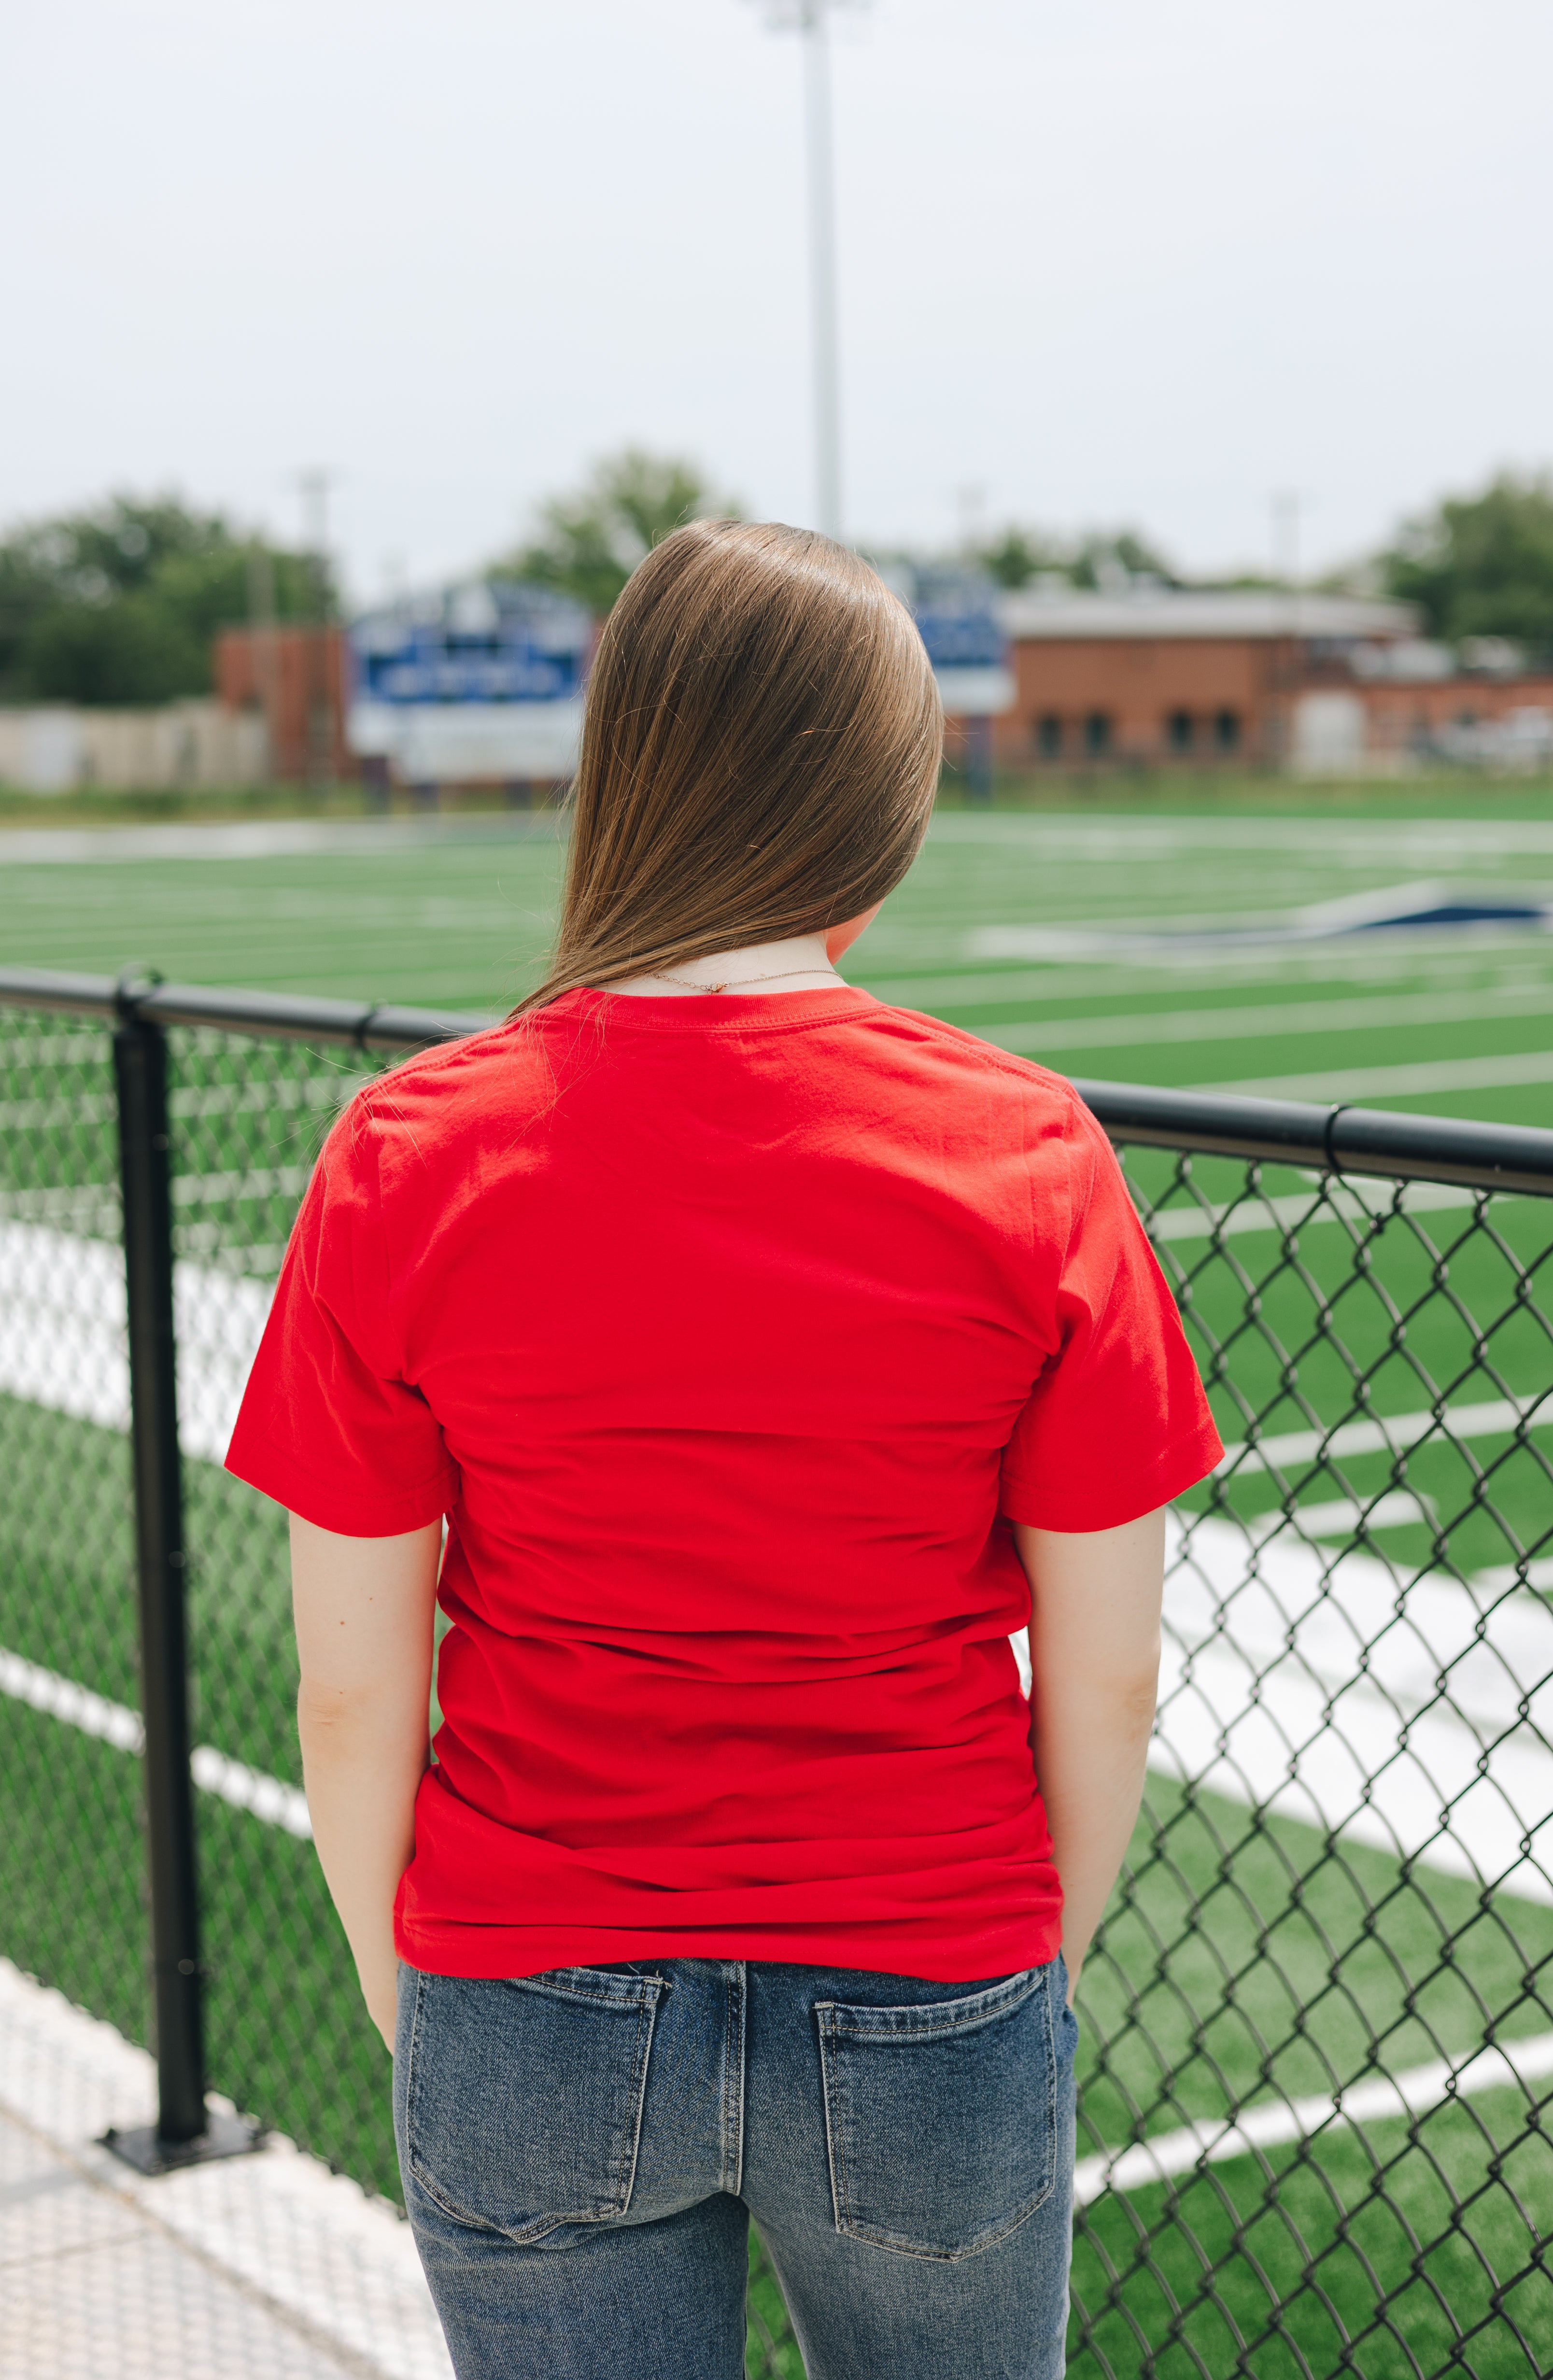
(956,614)
(478,681)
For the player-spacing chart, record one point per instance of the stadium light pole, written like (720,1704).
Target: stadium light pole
(1287,506)
(321,727)
(812,19)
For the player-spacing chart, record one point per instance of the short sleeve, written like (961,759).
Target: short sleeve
(1117,1422)
(329,1427)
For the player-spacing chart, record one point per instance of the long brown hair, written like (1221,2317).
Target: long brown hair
(761,750)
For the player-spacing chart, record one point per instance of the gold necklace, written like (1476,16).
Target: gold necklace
(737,982)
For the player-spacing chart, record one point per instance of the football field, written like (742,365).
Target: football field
(1373,958)
(1236,950)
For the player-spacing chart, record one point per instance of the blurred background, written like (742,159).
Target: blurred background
(1183,368)
(1127,266)
(311,312)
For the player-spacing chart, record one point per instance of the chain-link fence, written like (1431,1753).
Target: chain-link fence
(1319,2025)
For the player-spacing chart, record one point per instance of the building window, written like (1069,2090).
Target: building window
(1177,731)
(1097,733)
(1048,736)
(1226,730)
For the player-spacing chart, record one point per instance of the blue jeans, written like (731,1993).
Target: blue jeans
(582,2152)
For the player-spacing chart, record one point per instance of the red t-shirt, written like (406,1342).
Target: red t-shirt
(729,1334)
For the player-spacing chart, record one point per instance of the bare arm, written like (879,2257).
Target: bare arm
(1095,1657)
(363,1611)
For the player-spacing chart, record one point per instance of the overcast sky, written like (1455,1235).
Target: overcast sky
(1132,260)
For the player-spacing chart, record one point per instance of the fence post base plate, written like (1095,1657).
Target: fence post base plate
(224,2137)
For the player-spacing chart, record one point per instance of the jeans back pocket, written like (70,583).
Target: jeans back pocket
(521,2102)
(942,2120)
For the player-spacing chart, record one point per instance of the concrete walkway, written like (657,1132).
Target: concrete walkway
(267,2267)
(90,2285)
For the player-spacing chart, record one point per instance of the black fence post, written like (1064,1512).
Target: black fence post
(184,2130)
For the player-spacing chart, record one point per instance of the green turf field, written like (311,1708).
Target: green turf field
(1458,1022)
(1250,1957)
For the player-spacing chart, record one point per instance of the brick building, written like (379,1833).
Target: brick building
(1166,678)
(1381,725)
(1173,677)
(295,680)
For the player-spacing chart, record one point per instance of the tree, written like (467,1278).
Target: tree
(119,653)
(1112,559)
(121,603)
(591,541)
(1481,566)
(1102,558)
(1017,554)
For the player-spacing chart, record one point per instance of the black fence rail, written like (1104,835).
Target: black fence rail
(1317,2048)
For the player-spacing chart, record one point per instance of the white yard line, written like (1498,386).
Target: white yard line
(1221,948)
(1412,1715)
(262,1797)
(63,1342)
(1397,1082)
(1270,1019)
(1517,2065)
(266,838)
(1356,1203)
(1415,845)
(75,1706)
(1387,1434)
(1448,955)
(1341,1516)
